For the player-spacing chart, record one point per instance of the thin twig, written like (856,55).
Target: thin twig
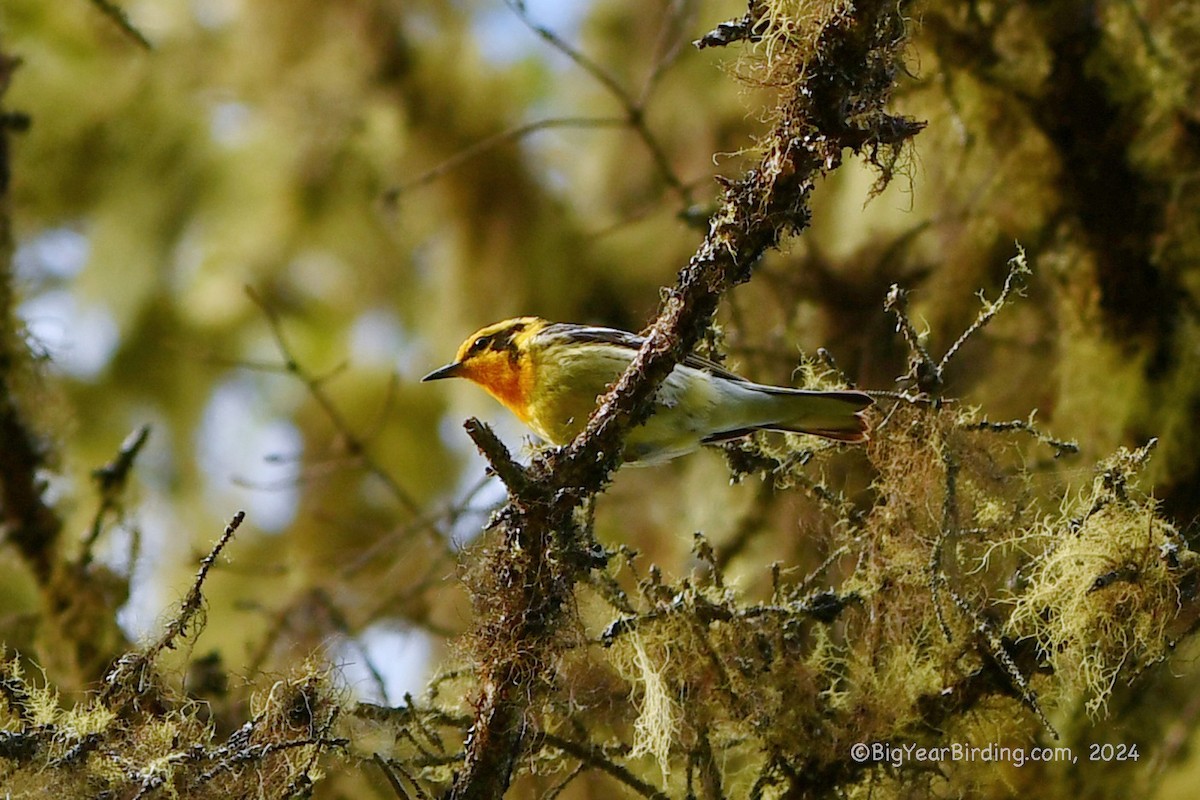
(668,46)
(635,114)
(117,14)
(1061,447)
(356,446)
(111,480)
(595,757)
(922,369)
(930,377)
(496,139)
(937,577)
(558,788)
(195,598)
(388,774)
(987,631)
(1017,268)
(387,545)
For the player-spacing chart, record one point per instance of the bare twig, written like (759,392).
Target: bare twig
(355,445)
(927,375)
(669,45)
(635,112)
(339,622)
(498,457)
(118,16)
(634,109)
(921,367)
(388,774)
(557,789)
(496,139)
(1017,269)
(445,518)
(111,479)
(596,758)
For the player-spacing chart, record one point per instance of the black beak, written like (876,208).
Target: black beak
(448,371)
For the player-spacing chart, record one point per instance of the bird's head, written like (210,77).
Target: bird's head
(494,358)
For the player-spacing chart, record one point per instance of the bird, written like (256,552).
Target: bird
(551,374)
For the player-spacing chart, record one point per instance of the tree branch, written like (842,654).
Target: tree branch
(25,518)
(524,600)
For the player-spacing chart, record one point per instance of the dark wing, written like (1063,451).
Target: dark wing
(595,333)
(570,332)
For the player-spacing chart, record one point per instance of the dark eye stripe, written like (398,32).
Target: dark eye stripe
(504,340)
(501,341)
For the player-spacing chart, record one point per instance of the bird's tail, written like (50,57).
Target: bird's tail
(837,415)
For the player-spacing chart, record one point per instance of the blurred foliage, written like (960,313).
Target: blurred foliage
(385,177)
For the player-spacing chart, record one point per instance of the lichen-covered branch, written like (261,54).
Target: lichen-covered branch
(138,737)
(126,674)
(523,597)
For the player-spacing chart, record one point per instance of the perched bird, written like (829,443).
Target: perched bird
(550,374)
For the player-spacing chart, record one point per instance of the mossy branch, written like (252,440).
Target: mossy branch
(127,671)
(829,104)
(821,606)
(1061,447)
(928,375)
(501,461)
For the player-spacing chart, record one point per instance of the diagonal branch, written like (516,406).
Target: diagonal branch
(526,586)
(129,671)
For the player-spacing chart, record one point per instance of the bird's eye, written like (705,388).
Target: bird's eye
(479,344)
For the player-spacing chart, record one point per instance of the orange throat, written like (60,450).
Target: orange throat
(505,379)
